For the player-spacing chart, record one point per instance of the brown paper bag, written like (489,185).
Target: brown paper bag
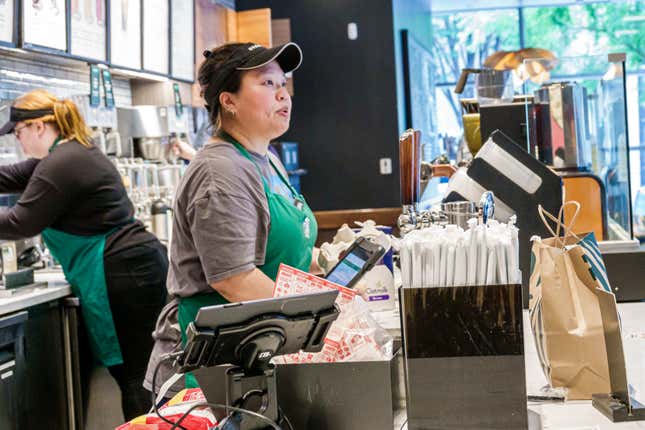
(565,313)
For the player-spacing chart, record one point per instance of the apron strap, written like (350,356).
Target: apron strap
(284,181)
(230,139)
(56,142)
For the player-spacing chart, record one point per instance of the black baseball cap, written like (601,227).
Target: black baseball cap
(17,114)
(249,56)
(288,56)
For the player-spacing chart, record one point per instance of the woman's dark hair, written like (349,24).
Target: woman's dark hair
(218,74)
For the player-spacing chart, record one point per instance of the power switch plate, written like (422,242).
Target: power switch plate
(385,166)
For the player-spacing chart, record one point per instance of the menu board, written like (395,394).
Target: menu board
(182,40)
(155,36)
(6,21)
(88,28)
(44,23)
(125,33)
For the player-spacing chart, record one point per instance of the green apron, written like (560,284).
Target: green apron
(292,235)
(82,261)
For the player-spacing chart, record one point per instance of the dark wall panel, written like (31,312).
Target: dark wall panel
(345,104)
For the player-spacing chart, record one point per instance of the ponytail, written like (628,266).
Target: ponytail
(70,122)
(68,119)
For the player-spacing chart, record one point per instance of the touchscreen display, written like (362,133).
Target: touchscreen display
(347,269)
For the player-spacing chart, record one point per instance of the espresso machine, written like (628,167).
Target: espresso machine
(145,129)
(415,176)
(102,121)
(150,168)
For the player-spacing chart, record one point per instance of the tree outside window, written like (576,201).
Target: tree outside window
(465,39)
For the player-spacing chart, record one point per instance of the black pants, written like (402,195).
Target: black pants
(136,284)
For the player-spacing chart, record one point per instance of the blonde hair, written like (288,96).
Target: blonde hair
(66,117)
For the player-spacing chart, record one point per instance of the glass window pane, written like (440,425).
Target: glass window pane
(599,28)
(466,39)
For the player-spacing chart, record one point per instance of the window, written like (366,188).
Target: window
(465,39)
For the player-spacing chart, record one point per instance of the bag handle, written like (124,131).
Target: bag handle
(559,222)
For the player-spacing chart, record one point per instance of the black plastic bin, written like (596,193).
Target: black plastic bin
(341,396)
(360,395)
(464,358)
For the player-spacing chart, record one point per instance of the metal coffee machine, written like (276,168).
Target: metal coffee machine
(102,121)
(415,175)
(146,129)
(561,126)
(151,169)
(150,130)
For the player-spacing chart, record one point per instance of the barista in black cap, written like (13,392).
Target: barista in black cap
(73,196)
(236,215)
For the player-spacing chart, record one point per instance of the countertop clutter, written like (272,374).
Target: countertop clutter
(449,236)
(570,415)
(56,287)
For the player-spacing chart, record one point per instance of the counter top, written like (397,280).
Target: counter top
(571,415)
(56,288)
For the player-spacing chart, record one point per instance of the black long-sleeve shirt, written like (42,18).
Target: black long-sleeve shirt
(74,189)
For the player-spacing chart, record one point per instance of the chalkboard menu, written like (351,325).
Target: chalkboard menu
(155,36)
(6,22)
(125,33)
(182,42)
(44,23)
(88,27)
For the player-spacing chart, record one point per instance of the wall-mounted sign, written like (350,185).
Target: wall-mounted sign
(6,21)
(155,36)
(108,89)
(125,33)
(179,106)
(182,45)
(95,86)
(44,23)
(88,27)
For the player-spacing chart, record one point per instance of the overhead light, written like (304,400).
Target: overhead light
(625,32)
(139,75)
(10,49)
(46,81)
(634,18)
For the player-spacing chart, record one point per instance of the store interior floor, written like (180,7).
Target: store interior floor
(104,409)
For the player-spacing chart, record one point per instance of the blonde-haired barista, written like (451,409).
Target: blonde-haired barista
(74,197)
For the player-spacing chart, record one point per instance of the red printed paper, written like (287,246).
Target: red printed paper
(351,337)
(292,281)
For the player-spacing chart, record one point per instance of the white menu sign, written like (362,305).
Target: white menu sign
(6,21)
(182,40)
(155,36)
(125,33)
(88,28)
(44,23)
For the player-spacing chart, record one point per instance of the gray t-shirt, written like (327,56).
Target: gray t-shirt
(220,229)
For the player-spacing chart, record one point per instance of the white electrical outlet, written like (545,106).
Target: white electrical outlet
(385,166)
(352,31)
